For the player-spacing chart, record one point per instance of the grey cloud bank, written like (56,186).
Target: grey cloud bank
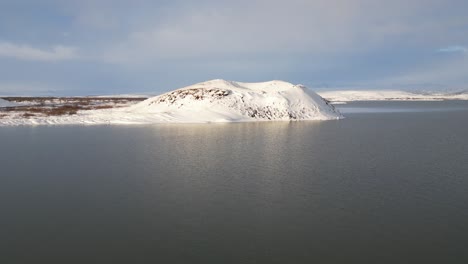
(134,46)
(25,52)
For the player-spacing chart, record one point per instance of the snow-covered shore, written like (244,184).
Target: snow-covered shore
(211,101)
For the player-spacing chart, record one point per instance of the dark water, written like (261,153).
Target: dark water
(378,187)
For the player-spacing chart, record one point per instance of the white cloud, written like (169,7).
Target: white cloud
(26,52)
(452,49)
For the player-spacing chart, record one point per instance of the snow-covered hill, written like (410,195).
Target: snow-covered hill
(211,101)
(5,103)
(224,101)
(389,95)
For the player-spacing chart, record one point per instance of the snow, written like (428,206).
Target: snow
(388,95)
(5,103)
(206,102)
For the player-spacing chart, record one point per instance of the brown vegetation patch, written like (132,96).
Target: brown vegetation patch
(97,107)
(28,115)
(59,106)
(49,111)
(195,93)
(74,100)
(63,110)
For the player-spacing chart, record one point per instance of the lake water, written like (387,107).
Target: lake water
(388,184)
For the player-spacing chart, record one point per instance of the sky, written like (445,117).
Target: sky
(90,47)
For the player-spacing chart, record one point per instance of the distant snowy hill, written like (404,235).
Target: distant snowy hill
(5,103)
(211,101)
(388,95)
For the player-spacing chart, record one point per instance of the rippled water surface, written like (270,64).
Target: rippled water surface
(380,186)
